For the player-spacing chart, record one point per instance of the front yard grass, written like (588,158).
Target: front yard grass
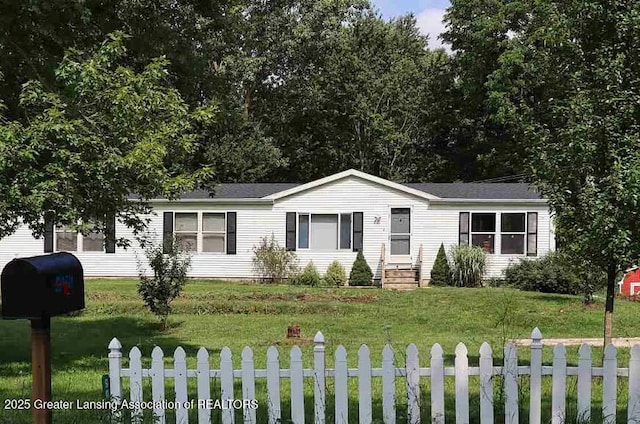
(214,314)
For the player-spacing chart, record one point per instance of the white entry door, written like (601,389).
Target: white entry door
(400,236)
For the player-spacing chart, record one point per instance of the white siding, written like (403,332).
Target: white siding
(431,225)
(442,227)
(354,194)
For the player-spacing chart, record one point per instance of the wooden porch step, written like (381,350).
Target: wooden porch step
(401,286)
(400,280)
(400,273)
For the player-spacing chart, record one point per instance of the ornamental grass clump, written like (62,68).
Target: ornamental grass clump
(468,265)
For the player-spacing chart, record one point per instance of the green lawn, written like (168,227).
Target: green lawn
(216,314)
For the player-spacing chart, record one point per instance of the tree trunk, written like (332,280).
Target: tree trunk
(608,306)
(247,101)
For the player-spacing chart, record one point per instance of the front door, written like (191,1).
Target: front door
(400,235)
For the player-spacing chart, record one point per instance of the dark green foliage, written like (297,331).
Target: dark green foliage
(273,263)
(441,273)
(554,273)
(169,277)
(361,274)
(309,277)
(335,275)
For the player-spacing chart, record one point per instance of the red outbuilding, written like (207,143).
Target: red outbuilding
(630,284)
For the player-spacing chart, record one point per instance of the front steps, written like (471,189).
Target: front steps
(401,279)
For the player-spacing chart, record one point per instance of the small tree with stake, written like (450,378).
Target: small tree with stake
(169,264)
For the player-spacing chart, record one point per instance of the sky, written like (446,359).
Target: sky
(428,14)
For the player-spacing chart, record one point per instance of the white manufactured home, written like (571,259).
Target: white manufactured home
(399,227)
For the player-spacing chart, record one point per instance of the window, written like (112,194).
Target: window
(66,239)
(213,232)
(483,229)
(93,242)
(186,230)
(303,231)
(512,233)
(532,233)
(324,231)
(345,231)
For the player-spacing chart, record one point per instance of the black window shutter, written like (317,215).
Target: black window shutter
(463,229)
(48,235)
(110,236)
(231,233)
(532,234)
(291,231)
(358,218)
(167,232)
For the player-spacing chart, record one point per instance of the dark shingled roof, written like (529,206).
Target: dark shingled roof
(240,191)
(478,190)
(444,190)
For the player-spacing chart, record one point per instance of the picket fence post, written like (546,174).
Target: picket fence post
(364,385)
(319,386)
(180,380)
(204,385)
(297,386)
(273,385)
(413,384)
(584,384)
(437,385)
(609,385)
(535,385)
(558,385)
(388,386)
(135,382)
(341,386)
(226,384)
(157,384)
(510,374)
(115,369)
(248,384)
(486,384)
(462,384)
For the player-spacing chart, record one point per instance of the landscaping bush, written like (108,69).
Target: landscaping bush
(468,265)
(555,272)
(169,276)
(309,277)
(361,274)
(441,273)
(335,275)
(273,263)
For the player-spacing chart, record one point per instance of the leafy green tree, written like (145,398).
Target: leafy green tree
(361,274)
(106,133)
(572,82)
(441,273)
(170,264)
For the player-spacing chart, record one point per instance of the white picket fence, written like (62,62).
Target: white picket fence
(409,375)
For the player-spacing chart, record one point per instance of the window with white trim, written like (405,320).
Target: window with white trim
(213,232)
(201,231)
(483,231)
(70,240)
(186,230)
(319,231)
(512,233)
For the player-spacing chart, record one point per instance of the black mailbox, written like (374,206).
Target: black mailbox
(42,286)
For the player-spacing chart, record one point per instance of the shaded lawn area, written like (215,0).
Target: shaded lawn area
(214,314)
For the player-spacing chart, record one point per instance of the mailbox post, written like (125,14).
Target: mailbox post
(38,288)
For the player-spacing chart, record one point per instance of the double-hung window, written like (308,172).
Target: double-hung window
(186,230)
(324,231)
(213,232)
(483,231)
(512,233)
(518,231)
(203,231)
(70,240)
